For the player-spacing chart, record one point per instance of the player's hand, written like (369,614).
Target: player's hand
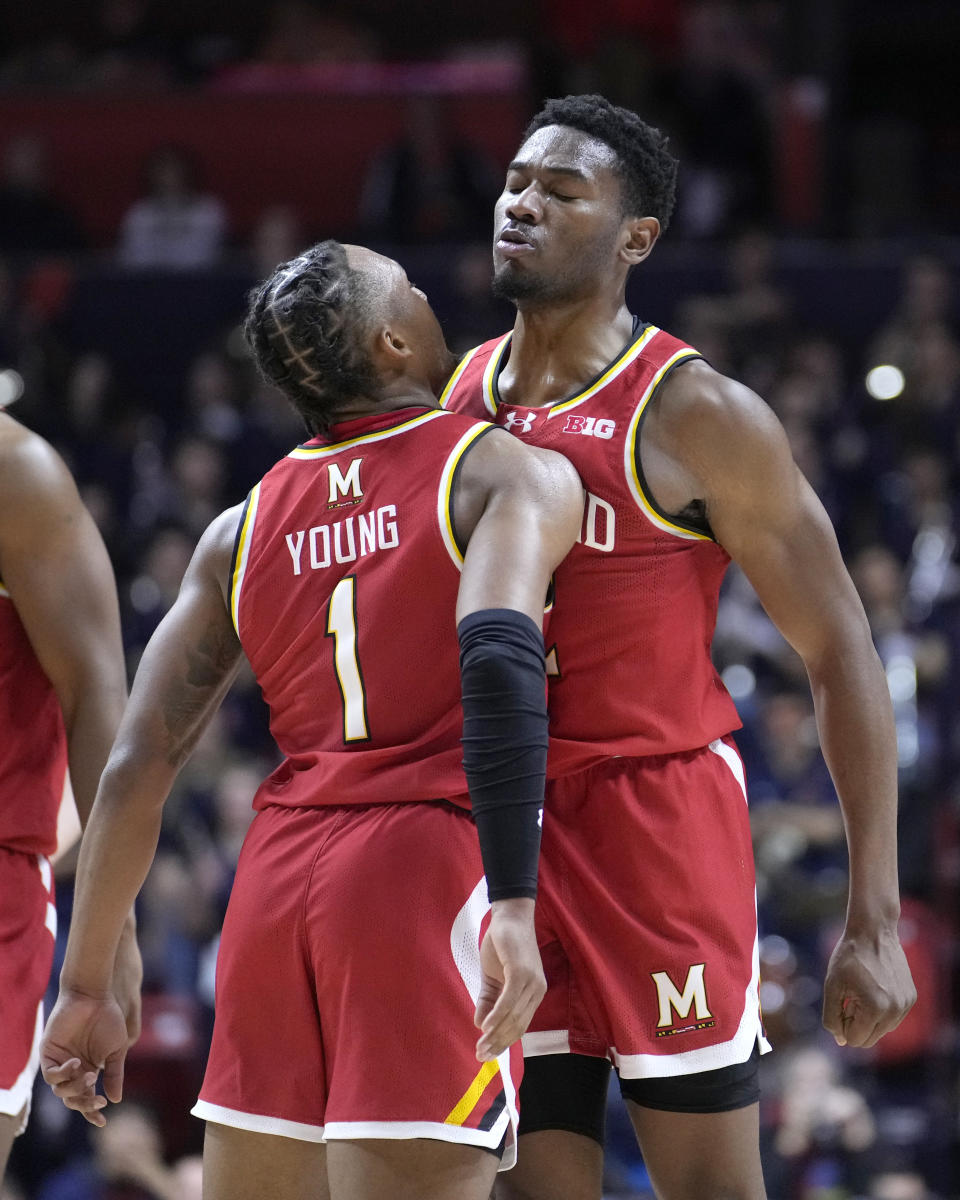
(513,980)
(127,979)
(84,1036)
(868,989)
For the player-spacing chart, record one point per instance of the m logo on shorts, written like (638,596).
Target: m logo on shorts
(676,1005)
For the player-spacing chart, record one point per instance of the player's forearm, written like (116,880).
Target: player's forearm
(91,726)
(858,736)
(115,855)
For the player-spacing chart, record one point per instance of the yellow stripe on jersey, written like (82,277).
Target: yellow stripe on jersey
(241,554)
(455,377)
(618,365)
(471,1097)
(3,590)
(611,372)
(630,450)
(490,375)
(311,452)
(445,492)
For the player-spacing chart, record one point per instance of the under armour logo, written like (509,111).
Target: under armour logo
(518,423)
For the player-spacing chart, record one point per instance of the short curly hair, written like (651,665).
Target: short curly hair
(305,325)
(647,169)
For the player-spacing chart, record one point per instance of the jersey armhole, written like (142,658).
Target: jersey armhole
(671,522)
(241,553)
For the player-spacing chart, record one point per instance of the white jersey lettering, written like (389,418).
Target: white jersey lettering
(345,541)
(599,524)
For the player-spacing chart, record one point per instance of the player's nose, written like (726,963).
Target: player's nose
(525,205)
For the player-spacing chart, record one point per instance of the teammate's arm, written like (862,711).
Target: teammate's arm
(55,566)
(520,510)
(767,517)
(185,671)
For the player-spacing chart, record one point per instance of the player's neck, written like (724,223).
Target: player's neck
(391,397)
(556,351)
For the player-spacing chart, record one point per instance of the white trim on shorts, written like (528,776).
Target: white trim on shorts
(15,1099)
(546,1041)
(438,1131)
(465,948)
(257,1122)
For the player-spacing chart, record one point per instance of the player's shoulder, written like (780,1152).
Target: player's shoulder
(32,473)
(516,468)
(699,405)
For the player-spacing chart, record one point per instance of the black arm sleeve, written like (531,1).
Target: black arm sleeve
(505,743)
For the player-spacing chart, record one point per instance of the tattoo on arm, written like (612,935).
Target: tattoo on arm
(211,664)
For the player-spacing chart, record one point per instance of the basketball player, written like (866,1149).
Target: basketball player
(351,969)
(646,913)
(62,689)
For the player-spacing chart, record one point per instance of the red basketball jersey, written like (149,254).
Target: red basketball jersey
(33,744)
(636,599)
(343,593)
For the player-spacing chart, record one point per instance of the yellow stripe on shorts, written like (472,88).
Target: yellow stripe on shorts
(471,1097)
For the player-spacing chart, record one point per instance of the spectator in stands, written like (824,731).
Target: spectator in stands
(824,1134)
(127,1161)
(277,237)
(301,33)
(175,226)
(430,185)
(33,218)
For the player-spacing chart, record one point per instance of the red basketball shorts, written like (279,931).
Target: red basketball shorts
(347,977)
(647,916)
(28,926)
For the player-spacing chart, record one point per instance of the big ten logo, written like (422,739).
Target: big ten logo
(676,1005)
(342,482)
(599,427)
(599,524)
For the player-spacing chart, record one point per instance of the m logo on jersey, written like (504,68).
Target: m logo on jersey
(517,423)
(341,483)
(676,1005)
(589,426)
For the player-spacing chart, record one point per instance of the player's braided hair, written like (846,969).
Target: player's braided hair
(647,168)
(305,325)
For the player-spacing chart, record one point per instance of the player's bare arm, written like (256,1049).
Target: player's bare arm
(185,671)
(711,440)
(520,510)
(55,566)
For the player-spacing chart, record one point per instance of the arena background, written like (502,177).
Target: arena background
(155,160)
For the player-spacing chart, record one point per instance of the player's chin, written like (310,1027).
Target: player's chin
(512,282)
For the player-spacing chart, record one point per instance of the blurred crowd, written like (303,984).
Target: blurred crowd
(781,111)
(130,359)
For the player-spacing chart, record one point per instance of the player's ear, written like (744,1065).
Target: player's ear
(391,346)
(640,235)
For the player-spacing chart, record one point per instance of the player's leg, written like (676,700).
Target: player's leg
(419,1169)
(548,1156)
(691,1156)
(562,1109)
(240,1165)
(9,1127)
(700,1133)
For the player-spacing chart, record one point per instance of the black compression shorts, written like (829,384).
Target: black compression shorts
(569,1092)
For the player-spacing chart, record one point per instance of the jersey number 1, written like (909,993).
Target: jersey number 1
(342,627)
